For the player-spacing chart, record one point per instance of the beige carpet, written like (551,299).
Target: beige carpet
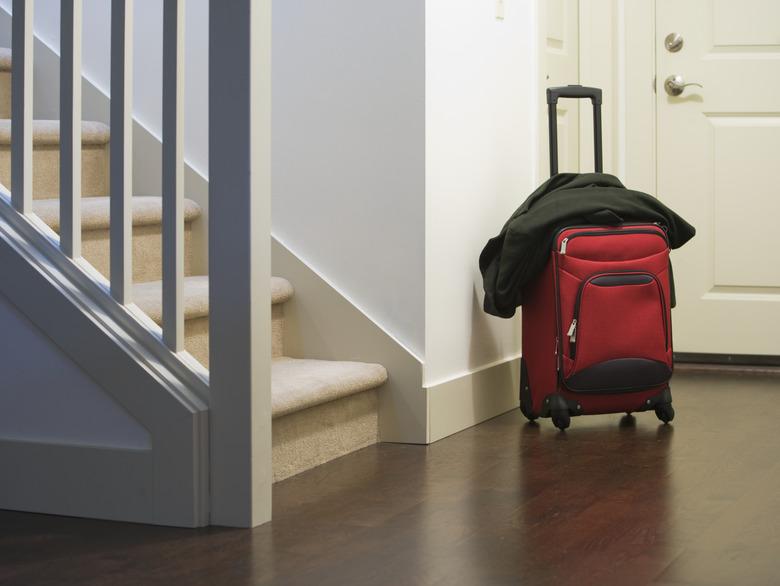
(47,133)
(299,384)
(146,210)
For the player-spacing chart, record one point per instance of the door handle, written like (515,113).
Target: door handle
(675,85)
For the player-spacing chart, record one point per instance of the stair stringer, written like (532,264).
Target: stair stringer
(321,323)
(120,349)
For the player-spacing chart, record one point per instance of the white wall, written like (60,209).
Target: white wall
(348,151)
(481,137)
(404,135)
(147,90)
(45,397)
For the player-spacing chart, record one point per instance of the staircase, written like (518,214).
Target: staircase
(321,409)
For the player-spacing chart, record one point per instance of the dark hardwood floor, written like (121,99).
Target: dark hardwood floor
(608,502)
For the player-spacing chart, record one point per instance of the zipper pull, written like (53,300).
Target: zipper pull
(572,333)
(557,362)
(564,242)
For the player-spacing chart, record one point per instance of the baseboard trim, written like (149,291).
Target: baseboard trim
(726,359)
(463,402)
(321,323)
(79,481)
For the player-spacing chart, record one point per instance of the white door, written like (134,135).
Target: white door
(718,157)
(560,66)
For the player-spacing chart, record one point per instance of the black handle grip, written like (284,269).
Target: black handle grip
(574,91)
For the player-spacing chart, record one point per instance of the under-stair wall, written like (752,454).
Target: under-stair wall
(207,455)
(92,425)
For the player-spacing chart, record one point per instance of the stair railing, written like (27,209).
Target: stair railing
(239,212)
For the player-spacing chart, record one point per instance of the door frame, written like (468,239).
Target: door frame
(626,74)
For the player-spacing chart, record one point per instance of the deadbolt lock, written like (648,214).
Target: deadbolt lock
(673,42)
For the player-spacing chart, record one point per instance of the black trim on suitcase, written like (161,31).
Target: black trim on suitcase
(618,280)
(620,375)
(607,233)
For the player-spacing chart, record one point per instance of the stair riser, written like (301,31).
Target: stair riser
(196,335)
(5,94)
(277,330)
(46,170)
(311,437)
(147,252)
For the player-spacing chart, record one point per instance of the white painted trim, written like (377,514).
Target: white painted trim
(22,105)
(536,101)
(617,51)
(465,373)
(89,290)
(121,152)
(84,481)
(320,322)
(640,92)
(466,401)
(346,297)
(240,271)
(173,175)
(70,128)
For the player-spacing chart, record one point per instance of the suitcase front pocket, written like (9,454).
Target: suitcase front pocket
(618,339)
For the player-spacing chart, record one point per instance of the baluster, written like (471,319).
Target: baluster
(121,165)
(70,127)
(173,174)
(21,105)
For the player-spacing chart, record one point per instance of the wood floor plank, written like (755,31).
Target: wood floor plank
(613,500)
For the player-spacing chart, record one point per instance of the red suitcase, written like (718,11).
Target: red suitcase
(597,334)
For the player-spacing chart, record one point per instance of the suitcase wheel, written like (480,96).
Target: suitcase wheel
(665,412)
(561,418)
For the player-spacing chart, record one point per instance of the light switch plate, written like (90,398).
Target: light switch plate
(499,9)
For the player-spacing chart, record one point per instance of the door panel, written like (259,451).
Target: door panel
(717,154)
(560,66)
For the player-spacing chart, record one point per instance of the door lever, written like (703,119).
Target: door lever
(675,85)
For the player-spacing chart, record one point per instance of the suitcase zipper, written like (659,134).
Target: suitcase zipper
(565,241)
(572,331)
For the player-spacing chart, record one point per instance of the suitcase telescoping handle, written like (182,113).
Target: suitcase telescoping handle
(573,91)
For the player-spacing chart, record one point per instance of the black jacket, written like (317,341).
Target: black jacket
(514,257)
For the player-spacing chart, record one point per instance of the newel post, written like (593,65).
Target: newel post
(239,261)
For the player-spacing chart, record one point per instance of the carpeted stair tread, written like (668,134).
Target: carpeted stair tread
(47,132)
(281,290)
(298,384)
(148,296)
(95,211)
(5,59)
